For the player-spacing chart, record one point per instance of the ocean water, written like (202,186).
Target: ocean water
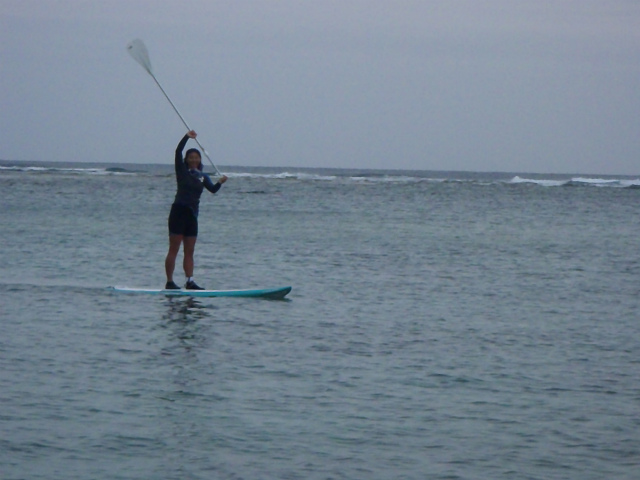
(442,325)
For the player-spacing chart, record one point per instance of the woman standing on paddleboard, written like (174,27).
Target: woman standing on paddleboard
(183,219)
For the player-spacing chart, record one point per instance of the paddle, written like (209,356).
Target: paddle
(138,51)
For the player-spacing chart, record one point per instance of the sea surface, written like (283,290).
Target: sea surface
(442,325)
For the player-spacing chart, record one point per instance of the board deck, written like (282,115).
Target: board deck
(272,293)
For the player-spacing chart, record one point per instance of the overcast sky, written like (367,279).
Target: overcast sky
(494,85)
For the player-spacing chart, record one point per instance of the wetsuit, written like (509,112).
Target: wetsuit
(183,219)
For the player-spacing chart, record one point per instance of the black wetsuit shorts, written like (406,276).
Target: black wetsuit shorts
(182,221)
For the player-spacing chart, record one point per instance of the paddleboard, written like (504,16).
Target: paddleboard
(272,293)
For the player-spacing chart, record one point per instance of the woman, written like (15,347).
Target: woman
(183,219)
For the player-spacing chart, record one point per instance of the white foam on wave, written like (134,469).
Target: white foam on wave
(80,171)
(283,176)
(543,182)
(586,181)
(395,179)
(594,181)
(608,182)
(361,179)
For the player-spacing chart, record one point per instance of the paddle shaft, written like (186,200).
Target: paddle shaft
(184,122)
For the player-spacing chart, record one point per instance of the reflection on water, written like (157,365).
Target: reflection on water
(189,388)
(183,321)
(186,309)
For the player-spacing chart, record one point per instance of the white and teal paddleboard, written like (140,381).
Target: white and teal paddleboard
(272,293)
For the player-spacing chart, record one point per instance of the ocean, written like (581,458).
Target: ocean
(442,325)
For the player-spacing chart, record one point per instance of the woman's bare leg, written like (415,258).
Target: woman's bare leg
(170,261)
(189,248)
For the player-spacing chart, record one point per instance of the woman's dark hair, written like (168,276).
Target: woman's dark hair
(194,150)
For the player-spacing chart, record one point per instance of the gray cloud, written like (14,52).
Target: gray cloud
(495,85)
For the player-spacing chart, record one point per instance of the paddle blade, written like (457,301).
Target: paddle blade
(138,51)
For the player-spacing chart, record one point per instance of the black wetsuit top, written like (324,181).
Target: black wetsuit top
(191,183)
